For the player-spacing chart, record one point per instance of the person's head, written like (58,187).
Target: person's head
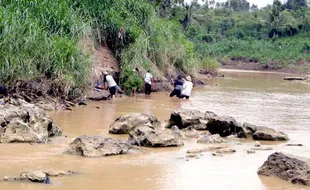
(179,77)
(137,70)
(148,71)
(189,78)
(105,73)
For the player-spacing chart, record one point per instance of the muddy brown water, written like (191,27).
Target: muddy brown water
(258,98)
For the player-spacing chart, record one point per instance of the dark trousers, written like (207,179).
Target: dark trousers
(183,96)
(148,89)
(175,92)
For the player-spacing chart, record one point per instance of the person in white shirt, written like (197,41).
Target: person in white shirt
(108,79)
(148,78)
(187,88)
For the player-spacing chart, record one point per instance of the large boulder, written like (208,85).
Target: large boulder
(34,176)
(98,95)
(264,133)
(225,126)
(186,118)
(270,135)
(24,122)
(287,167)
(97,146)
(125,123)
(155,137)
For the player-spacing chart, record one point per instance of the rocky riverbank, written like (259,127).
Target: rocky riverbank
(214,135)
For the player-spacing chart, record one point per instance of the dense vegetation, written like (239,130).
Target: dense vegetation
(41,37)
(278,33)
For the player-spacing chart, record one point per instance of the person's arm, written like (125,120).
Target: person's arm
(104,82)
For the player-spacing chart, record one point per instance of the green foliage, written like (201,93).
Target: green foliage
(130,80)
(209,63)
(40,38)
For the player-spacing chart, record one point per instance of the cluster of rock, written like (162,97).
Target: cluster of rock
(223,126)
(25,122)
(146,130)
(39,176)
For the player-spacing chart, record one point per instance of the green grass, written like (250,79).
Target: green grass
(40,38)
(283,50)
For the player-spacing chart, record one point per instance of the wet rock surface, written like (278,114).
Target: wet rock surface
(98,95)
(125,123)
(208,138)
(286,167)
(264,133)
(25,122)
(190,132)
(225,126)
(96,146)
(155,137)
(39,176)
(186,118)
(222,125)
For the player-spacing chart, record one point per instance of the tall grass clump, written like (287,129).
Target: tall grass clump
(40,38)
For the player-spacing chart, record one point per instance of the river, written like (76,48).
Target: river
(258,98)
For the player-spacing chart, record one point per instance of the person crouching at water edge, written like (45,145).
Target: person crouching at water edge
(187,88)
(178,84)
(148,78)
(111,84)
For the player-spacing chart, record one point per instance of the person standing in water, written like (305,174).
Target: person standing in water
(148,77)
(187,88)
(136,86)
(178,84)
(108,79)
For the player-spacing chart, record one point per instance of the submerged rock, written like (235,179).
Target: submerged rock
(225,151)
(195,151)
(294,145)
(262,148)
(97,146)
(125,123)
(265,133)
(257,144)
(38,176)
(155,137)
(26,122)
(213,147)
(210,139)
(295,78)
(190,132)
(33,176)
(286,167)
(250,151)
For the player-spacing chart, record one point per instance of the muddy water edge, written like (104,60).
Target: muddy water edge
(258,98)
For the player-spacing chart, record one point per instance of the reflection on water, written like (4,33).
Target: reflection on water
(262,99)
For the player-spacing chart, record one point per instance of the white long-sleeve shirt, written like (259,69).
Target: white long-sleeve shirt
(187,88)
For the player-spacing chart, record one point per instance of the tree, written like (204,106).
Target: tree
(280,22)
(296,4)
